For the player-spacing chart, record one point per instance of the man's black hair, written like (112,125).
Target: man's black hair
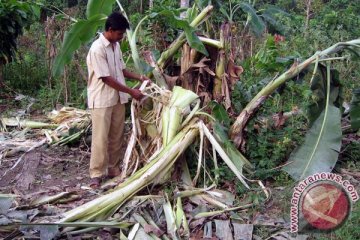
(116,21)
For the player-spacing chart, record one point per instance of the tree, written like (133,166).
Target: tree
(14,17)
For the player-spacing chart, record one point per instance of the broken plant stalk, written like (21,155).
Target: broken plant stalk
(177,44)
(237,129)
(131,186)
(14,122)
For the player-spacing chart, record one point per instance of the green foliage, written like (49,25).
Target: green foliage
(256,20)
(273,146)
(80,33)
(269,147)
(172,16)
(272,57)
(160,32)
(318,87)
(30,77)
(271,15)
(95,7)
(14,16)
(29,71)
(269,58)
(243,94)
(231,11)
(27,75)
(330,22)
(47,98)
(220,114)
(322,144)
(340,15)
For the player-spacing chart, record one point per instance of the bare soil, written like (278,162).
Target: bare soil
(59,168)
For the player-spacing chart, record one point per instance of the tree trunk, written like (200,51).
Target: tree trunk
(151,4)
(187,60)
(221,63)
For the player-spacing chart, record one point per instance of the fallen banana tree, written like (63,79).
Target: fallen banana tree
(237,129)
(177,136)
(23,123)
(164,160)
(67,124)
(72,125)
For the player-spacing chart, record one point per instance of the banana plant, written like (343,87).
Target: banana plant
(83,31)
(132,40)
(256,20)
(237,129)
(80,33)
(321,148)
(192,38)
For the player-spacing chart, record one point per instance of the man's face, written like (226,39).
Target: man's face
(117,35)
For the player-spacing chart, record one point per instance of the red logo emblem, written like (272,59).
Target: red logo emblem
(325,206)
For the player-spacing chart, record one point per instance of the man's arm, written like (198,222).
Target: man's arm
(135,93)
(131,75)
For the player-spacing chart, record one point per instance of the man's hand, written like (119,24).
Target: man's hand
(145,78)
(136,94)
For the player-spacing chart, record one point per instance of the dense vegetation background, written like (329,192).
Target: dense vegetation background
(290,30)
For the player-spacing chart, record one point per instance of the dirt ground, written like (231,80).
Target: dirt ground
(52,168)
(48,171)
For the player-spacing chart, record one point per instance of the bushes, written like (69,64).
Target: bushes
(26,77)
(30,73)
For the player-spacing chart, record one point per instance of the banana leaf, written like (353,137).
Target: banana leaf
(80,33)
(254,21)
(95,7)
(321,149)
(322,144)
(235,156)
(318,87)
(190,32)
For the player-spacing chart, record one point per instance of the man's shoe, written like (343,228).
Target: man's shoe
(95,182)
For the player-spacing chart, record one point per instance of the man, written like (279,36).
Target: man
(107,95)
